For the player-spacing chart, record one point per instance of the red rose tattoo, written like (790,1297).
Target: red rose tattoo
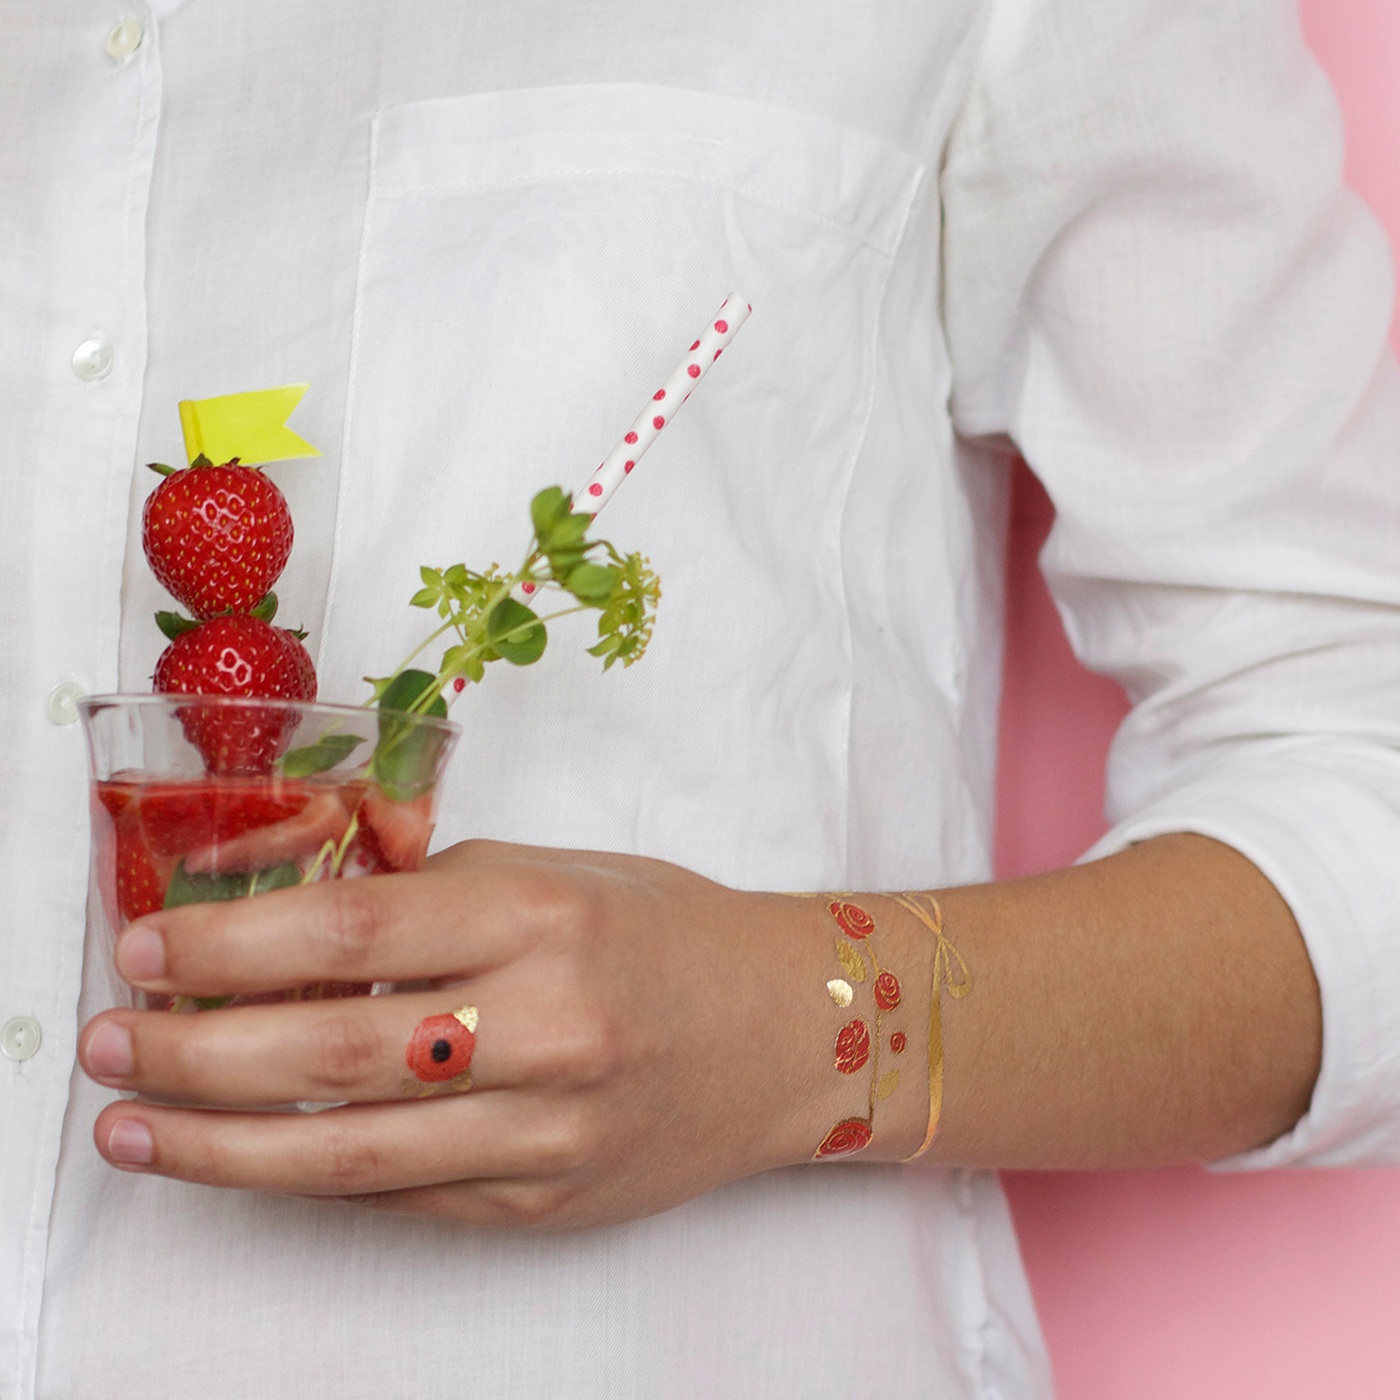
(844,1139)
(898,1041)
(853,920)
(852,1046)
(887,991)
(441,1047)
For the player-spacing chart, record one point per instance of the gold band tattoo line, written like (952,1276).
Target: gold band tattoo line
(946,960)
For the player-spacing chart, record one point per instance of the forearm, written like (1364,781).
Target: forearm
(643,1035)
(1156,1006)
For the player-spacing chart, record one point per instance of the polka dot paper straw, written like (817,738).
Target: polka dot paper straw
(664,405)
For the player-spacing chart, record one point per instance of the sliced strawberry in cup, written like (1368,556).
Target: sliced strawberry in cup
(177,818)
(300,835)
(141,880)
(396,834)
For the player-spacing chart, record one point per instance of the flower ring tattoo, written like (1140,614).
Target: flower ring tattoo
(440,1053)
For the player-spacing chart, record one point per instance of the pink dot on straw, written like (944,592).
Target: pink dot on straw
(694,371)
(659,395)
(527,587)
(658,422)
(721,326)
(595,490)
(696,346)
(460,684)
(627,466)
(631,437)
(718,353)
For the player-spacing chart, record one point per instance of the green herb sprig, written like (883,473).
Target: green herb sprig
(487,624)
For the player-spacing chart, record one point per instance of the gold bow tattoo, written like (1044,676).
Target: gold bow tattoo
(946,959)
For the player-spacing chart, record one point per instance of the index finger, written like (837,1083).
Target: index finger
(378,928)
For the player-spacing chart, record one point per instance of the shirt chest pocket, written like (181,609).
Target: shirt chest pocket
(530,261)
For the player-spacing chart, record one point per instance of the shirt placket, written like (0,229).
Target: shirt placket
(89,318)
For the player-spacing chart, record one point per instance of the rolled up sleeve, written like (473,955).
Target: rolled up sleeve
(1158,288)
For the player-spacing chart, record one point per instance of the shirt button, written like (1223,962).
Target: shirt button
(93,359)
(20,1037)
(124,38)
(62,704)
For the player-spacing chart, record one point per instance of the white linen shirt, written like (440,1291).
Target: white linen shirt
(1111,233)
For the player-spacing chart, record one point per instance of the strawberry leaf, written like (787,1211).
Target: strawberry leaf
(172,624)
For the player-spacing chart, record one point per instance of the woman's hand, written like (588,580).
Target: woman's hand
(644,1035)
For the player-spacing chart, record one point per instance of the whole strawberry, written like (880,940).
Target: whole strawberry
(217,537)
(237,655)
(244,657)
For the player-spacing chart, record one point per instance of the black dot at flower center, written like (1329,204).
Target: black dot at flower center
(442,1051)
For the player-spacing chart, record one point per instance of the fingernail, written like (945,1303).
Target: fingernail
(130,1143)
(141,955)
(109,1053)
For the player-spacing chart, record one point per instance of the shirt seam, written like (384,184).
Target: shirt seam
(868,413)
(886,249)
(351,379)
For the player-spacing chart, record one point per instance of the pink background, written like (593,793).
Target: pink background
(1165,1285)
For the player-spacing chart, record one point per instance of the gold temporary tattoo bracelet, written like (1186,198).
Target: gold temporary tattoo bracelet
(856,1044)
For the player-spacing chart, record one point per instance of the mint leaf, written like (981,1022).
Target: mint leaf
(547,506)
(405,758)
(405,691)
(325,753)
(208,888)
(591,583)
(515,632)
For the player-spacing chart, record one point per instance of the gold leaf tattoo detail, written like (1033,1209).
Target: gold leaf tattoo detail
(851,960)
(841,993)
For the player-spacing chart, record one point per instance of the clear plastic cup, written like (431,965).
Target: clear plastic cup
(200,798)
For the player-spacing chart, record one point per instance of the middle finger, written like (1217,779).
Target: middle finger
(351,1048)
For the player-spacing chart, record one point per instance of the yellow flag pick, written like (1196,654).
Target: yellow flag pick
(251,427)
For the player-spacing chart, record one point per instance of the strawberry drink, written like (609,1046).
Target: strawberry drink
(174,824)
(229,781)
